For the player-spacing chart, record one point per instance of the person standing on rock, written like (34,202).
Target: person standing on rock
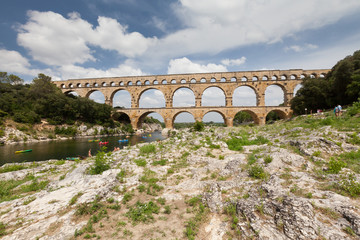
(89,154)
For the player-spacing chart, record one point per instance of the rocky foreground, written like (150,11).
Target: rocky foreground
(281,182)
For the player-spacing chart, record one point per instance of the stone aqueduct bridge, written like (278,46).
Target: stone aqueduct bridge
(198,83)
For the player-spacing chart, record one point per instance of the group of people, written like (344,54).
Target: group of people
(338,110)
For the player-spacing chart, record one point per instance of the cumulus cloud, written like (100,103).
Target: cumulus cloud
(213,26)
(234,62)
(73,71)
(184,65)
(55,40)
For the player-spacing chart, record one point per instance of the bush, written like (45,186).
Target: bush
(100,164)
(198,126)
(335,166)
(257,172)
(140,162)
(146,149)
(142,212)
(350,185)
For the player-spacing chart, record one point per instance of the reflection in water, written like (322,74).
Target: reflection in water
(67,148)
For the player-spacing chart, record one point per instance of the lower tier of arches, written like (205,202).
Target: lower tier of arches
(258,114)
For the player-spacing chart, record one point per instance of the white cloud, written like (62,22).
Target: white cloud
(73,71)
(297,48)
(55,40)
(184,65)
(233,62)
(14,63)
(212,26)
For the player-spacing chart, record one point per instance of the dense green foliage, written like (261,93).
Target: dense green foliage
(42,99)
(340,86)
(101,164)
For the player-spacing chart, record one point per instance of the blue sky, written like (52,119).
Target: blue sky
(100,38)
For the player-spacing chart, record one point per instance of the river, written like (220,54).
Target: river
(61,149)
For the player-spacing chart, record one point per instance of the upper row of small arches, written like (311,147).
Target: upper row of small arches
(193,80)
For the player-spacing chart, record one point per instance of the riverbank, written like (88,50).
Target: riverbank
(288,180)
(17,133)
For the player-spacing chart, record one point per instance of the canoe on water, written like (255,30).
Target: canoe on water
(24,151)
(94,140)
(73,158)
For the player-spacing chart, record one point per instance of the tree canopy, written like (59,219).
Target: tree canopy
(340,86)
(42,99)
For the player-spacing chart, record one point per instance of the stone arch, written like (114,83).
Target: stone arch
(272,95)
(79,85)
(164,81)
(104,84)
(203,80)
(193,80)
(179,113)
(63,86)
(124,96)
(233,79)
(274,78)
(255,78)
(129,83)
(95,84)
(213,96)
(163,100)
(182,81)
(322,75)
(141,118)
(173,81)
(71,85)
(155,82)
(265,78)
(302,76)
(252,114)
(244,79)
(138,83)
(112,84)
(121,117)
(296,88)
(293,77)
(212,80)
(72,92)
(223,79)
(147,82)
(214,111)
(280,113)
(244,94)
(313,75)
(283,77)
(190,100)
(88,95)
(87,85)
(121,83)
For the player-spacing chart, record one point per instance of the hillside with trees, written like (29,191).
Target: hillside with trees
(29,103)
(340,86)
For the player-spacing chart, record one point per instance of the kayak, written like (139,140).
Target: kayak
(123,140)
(72,158)
(94,140)
(103,143)
(24,151)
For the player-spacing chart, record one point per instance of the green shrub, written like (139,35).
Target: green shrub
(142,212)
(198,126)
(335,166)
(100,164)
(75,198)
(350,185)
(268,159)
(147,149)
(257,171)
(140,162)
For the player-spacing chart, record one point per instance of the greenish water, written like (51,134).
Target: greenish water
(67,148)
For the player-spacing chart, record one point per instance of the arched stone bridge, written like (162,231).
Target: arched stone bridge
(197,83)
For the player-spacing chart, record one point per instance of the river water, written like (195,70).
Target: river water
(61,149)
